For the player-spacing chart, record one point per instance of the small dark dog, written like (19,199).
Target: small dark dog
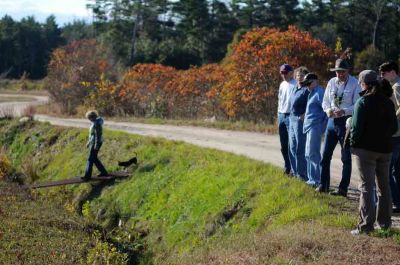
(126,164)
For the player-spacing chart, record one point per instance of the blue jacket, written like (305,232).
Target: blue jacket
(96,133)
(298,101)
(314,113)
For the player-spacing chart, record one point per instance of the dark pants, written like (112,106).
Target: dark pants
(93,159)
(335,132)
(283,125)
(394,172)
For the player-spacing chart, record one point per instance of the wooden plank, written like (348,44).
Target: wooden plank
(78,180)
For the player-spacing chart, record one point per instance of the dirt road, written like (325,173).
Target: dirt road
(257,146)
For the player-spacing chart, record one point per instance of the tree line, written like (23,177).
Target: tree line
(196,32)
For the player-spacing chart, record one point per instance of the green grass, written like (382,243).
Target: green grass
(180,197)
(37,229)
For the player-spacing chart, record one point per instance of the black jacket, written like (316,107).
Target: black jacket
(374,122)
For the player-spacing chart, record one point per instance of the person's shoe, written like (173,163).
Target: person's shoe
(395,210)
(103,174)
(321,189)
(339,192)
(85,178)
(357,232)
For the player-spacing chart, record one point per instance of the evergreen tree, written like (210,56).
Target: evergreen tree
(223,27)
(194,26)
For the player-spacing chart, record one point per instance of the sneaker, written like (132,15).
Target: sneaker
(312,184)
(339,192)
(321,189)
(357,232)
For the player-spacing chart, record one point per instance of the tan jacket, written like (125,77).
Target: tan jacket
(396,100)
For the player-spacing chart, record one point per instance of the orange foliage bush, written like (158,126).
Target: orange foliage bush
(160,91)
(104,97)
(245,86)
(143,90)
(80,61)
(195,93)
(253,69)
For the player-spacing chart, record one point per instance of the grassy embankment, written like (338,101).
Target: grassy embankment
(38,230)
(187,205)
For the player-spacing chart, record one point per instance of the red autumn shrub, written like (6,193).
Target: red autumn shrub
(142,90)
(251,89)
(194,93)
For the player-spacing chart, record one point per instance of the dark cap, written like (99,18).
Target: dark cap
(286,68)
(308,79)
(367,76)
(341,65)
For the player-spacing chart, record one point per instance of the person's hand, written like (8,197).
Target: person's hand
(338,113)
(330,113)
(87,145)
(301,117)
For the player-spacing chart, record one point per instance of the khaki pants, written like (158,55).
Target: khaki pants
(373,167)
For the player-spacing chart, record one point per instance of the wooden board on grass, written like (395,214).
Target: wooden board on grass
(78,180)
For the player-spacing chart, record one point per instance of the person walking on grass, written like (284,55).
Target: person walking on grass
(389,71)
(297,139)
(285,90)
(94,145)
(373,124)
(314,126)
(340,96)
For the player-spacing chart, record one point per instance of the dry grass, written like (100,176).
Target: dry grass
(51,109)
(30,170)
(7,112)
(306,243)
(29,112)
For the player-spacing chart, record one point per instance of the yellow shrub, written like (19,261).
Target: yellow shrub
(5,166)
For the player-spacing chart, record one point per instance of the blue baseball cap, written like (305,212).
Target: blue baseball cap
(286,68)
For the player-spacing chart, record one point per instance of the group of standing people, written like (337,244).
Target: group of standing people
(308,113)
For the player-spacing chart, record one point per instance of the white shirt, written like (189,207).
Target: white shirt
(348,90)
(285,90)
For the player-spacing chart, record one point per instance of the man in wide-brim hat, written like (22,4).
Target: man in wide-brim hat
(340,96)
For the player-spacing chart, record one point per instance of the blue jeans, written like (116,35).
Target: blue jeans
(283,126)
(335,132)
(297,145)
(92,159)
(313,154)
(394,173)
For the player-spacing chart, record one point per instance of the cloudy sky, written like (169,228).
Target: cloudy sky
(64,10)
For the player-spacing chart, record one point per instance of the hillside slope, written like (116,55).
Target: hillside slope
(184,204)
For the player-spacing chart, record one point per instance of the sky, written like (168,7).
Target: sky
(64,10)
